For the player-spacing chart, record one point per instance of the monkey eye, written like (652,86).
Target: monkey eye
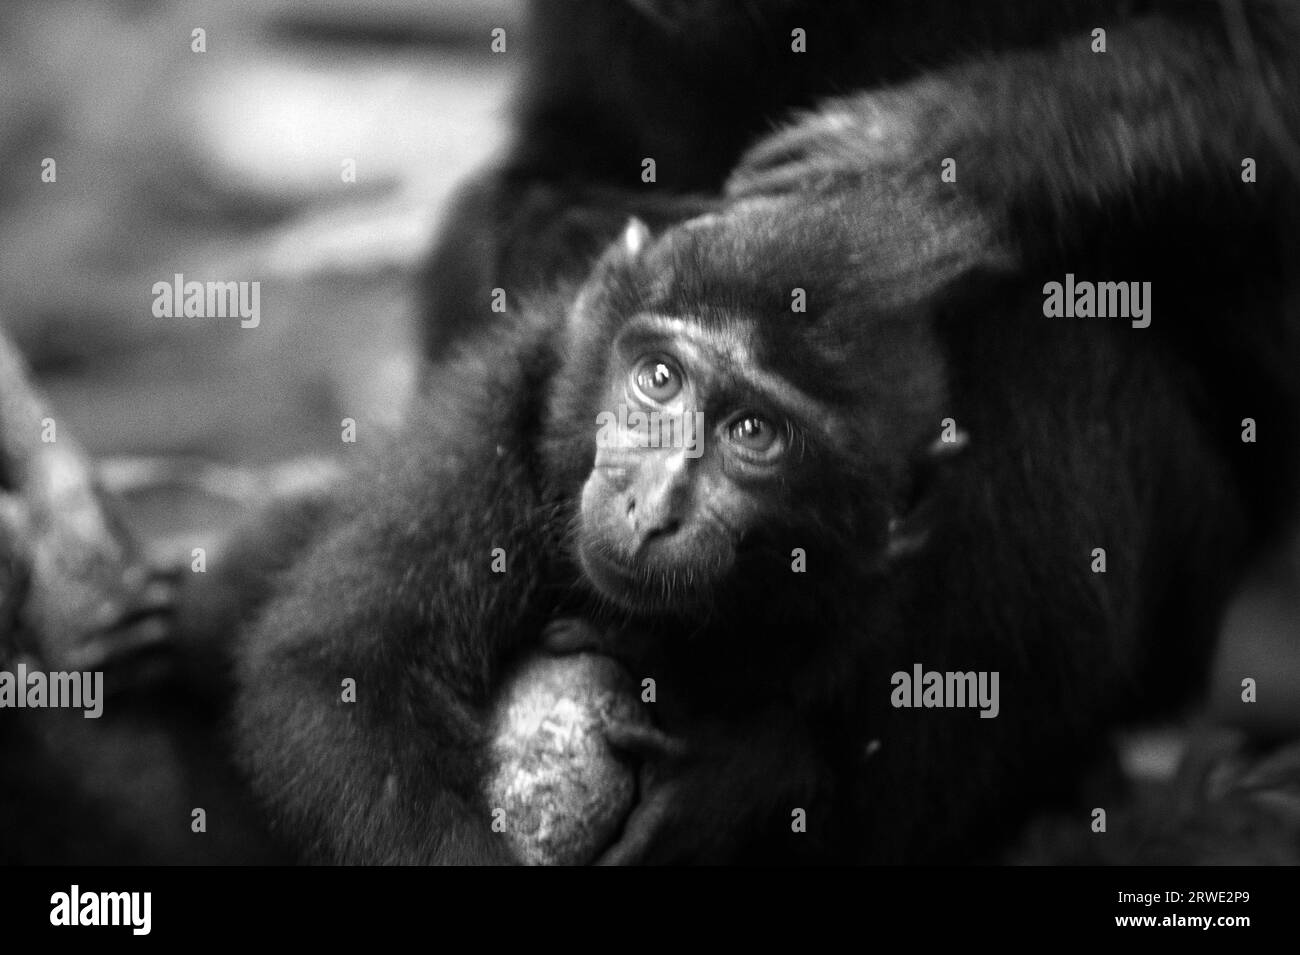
(756,434)
(657,379)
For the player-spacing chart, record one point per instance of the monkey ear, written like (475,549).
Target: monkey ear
(615,261)
(634,240)
(619,255)
(909,531)
(636,236)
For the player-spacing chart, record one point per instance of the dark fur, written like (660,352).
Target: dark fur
(1085,433)
(608,83)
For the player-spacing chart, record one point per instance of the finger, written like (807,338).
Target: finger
(638,834)
(643,740)
(568,635)
(787,146)
(777,181)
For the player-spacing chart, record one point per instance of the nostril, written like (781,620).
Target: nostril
(666,529)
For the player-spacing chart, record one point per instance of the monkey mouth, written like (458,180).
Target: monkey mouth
(639,591)
(611,578)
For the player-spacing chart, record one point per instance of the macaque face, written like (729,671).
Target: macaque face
(695,450)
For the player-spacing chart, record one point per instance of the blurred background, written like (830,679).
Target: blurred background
(227,165)
(223,165)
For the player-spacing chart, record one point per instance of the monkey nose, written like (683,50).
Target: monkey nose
(649,523)
(662,530)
